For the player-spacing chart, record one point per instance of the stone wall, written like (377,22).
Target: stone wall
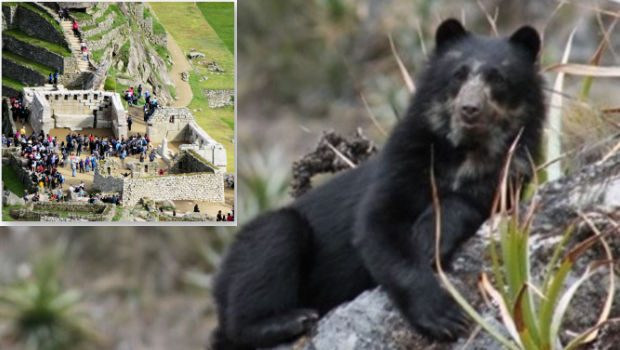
(199,187)
(206,146)
(23,175)
(189,162)
(34,25)
(169,123)
(101,27)
(50,59)
(75,109)
(115,35)
(8,125)
(22,74)
(220,98)
(118,117)
(105,183)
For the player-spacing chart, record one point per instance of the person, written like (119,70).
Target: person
(50,79)
(56,74)
(129,122)
(229,217)
(73,166)
(76,31)
(22,130)
(147,97)
(196,209)
(139,90)
(152,155)
(219,216)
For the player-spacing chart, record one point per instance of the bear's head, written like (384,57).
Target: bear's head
(479,91)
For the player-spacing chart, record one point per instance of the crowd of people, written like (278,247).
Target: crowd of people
(132,96)
(20,112)
(225,217)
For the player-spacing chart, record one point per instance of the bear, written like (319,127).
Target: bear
(374,225)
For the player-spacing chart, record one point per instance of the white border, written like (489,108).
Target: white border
(159,223)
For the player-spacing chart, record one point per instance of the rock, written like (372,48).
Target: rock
(195,54)
(167,205)
(371,321)
(214,67)
(185,76)
(10,198)
(120,65)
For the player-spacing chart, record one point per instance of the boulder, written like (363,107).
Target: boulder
(10,198)
(372,322)
(195,54)
(185,76)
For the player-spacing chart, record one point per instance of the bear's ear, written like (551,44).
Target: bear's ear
(449,30)
(528,38)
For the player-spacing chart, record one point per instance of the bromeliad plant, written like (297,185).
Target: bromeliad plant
(43,315)
(532,315)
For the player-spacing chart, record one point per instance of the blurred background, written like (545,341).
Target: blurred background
(304,66)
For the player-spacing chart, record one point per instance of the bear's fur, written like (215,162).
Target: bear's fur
(374,225)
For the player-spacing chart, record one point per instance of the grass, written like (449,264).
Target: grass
(13,84)
(119,20)
(6,210)
(23,37)
(11,181)
(23,61)
(218,123)
(219,15)
(46,16)
(158,28)
(97,54)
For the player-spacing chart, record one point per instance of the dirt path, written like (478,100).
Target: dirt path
(184,92)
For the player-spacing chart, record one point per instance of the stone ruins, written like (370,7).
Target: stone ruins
(75,109)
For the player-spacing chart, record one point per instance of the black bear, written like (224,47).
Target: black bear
(374,225)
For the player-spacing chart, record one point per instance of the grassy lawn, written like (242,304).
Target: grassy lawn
(193,31)
(218,14)
(11,181)
(43,14)
(21,36)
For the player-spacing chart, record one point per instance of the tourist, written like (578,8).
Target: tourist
(147,97)
(196,209)
(139,90)
(73,165)
(93,161)
(129,122)
(142,157)
(229,217)
(219,216)
(76,31)
(56,74)
(152,155)
(50,79)
(81,163)
(87,164)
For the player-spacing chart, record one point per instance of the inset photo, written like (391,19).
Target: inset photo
(118,112)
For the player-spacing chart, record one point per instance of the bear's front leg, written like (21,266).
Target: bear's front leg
(460,219)
(383,239)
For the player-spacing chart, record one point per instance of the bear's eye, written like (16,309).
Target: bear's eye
(461,73)
(495,77)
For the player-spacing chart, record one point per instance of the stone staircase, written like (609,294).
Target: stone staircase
(74,44)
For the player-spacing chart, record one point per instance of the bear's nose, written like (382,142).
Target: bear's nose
(470,113)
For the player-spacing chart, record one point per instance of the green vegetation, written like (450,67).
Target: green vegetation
(11,181)
(13,84)
(42,314)
(158,28)
(219,15)
(23,61)
(46,16)
(118,214)
(123,53)
(23,37)
(110,84)
(6,210)
(97,54)
(81,16)
(219,123)
(119,20)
